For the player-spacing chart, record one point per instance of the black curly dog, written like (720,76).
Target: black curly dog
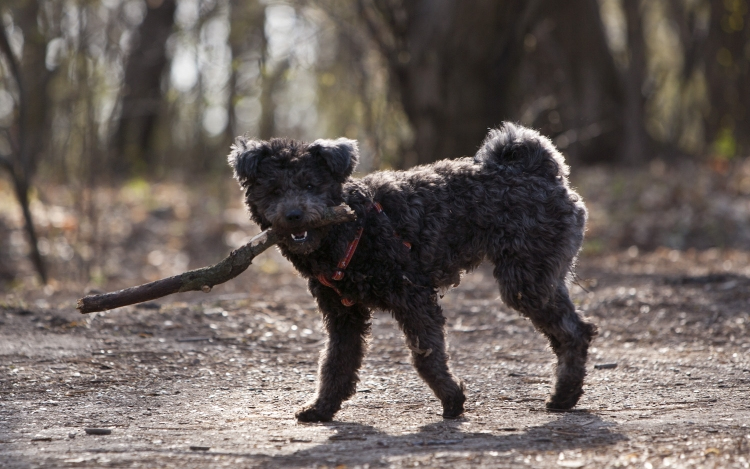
(416,232)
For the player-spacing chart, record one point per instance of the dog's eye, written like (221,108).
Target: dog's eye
(308,186)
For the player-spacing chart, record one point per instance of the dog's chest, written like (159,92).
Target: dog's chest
(361,270)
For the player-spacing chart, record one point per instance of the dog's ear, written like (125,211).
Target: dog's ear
(244,159)
(341,156)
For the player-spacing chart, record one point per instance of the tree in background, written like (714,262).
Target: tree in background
(461,67)
(26,133)
(455,66)
(572,88)
(166,84)
(248,43)
(607,91)
(142,103)
(727,72)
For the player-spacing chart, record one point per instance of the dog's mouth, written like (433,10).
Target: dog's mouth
(301,241)
(300,237)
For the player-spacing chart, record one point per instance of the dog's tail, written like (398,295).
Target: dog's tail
(514,147)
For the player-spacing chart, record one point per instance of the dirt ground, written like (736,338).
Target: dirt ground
(213,380)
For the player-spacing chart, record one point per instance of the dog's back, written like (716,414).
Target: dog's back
(511,199)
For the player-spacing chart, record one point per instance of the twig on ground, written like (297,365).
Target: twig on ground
(205,278)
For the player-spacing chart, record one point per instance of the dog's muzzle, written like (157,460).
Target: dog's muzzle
(293,217)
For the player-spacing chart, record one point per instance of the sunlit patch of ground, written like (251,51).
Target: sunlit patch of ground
(226,372)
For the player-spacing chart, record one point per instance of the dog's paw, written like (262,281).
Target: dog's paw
(564,402)
(453,408)
(312,414)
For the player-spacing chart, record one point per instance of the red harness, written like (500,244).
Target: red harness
(351,248)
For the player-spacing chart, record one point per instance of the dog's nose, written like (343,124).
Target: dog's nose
(294,215)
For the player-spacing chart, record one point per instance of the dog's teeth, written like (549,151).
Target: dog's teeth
(299,236)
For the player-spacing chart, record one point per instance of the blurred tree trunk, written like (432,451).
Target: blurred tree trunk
(272,79)
(575,66)
(247,36)
(727,64)
(142,92)
(454,65)
(637,143)
(35,118)
(247,20)
(692,34)
(29,133)
(457,65)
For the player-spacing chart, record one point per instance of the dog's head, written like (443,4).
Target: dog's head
(288,183)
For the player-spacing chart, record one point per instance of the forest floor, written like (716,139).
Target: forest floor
(214,380)
(207,380)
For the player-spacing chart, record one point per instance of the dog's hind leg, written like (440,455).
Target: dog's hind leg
(347,329)
(570,338)
(423,324)
(568,335)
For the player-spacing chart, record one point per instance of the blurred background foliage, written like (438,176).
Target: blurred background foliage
(108,107)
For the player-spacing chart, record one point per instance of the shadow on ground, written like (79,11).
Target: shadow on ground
(356,444)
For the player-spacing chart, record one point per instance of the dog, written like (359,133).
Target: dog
(416,232)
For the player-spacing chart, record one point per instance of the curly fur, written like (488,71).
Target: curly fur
(510,204)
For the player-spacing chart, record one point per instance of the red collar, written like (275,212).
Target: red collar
(351,248)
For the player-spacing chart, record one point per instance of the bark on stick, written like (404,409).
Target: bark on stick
(205,278)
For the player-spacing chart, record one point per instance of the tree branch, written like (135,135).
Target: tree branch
(205,278)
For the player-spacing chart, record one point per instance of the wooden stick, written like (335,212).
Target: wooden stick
(205,278)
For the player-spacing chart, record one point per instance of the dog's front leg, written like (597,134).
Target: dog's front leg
(347,329)
(423,323)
